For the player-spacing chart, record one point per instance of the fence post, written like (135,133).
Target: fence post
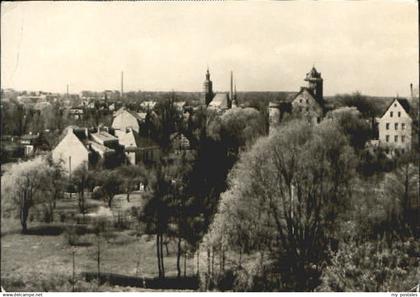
(99,261)
(73,282)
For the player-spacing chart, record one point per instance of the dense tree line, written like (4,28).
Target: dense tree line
(295,201)
(296,210)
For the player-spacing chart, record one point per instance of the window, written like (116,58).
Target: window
(307,101)
(300,100)
(402,151)
(387,138)
(399,113)
(318,120)
(402,126)
(402,138)
(396,126)
(396,138)
(387,126)
(391,114)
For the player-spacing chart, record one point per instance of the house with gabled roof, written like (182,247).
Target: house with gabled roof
(308,105)
(395,126)
(308,102)
(126,119)
(136,148)
(71,151)
(80,146)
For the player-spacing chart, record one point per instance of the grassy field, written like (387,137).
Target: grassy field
(43,259)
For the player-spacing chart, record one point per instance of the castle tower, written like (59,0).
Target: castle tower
(315,83)
(208,88)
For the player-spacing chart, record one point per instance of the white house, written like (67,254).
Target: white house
(125,119)
(71,151)
(394,126)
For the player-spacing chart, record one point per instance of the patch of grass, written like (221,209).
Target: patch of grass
(33,258)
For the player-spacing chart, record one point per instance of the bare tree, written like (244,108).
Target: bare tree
(286,196)
(22,185)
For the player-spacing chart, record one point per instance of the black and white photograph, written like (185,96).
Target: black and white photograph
(210,146)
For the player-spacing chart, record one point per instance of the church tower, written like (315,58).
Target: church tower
(208,88)
(315,83)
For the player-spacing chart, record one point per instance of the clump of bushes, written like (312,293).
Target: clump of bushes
(59,283)
(373,266)
(76,235)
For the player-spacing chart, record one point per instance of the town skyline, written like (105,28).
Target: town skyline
(382,61)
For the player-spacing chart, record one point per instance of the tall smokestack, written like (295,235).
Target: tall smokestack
(67,92)
(122,84)
(411,91)
(231,85)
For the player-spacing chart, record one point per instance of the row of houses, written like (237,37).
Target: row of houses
(394,125)
(97,147)
(110,147)
(25,146)
(122,143)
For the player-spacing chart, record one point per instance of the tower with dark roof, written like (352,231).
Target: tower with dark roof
(315,83)
(208,89)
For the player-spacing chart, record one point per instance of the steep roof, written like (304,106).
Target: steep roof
(71,138)
(307,90)
(79,132)
(402,101)
(220,100)
(99,148)
(103,136)
(124,118)
(122,110)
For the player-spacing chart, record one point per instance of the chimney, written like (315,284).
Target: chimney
(122,84)
(231,86)
(87,132)
(411,91)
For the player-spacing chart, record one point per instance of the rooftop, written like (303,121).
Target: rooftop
(104,136)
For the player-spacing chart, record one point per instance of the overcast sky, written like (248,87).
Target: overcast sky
(357,45)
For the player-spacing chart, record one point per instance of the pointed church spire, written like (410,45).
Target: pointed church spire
(231,85)
(207,73)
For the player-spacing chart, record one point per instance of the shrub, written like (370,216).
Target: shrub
(373,266)
(75,235)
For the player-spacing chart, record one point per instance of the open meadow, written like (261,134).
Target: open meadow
(42,260)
